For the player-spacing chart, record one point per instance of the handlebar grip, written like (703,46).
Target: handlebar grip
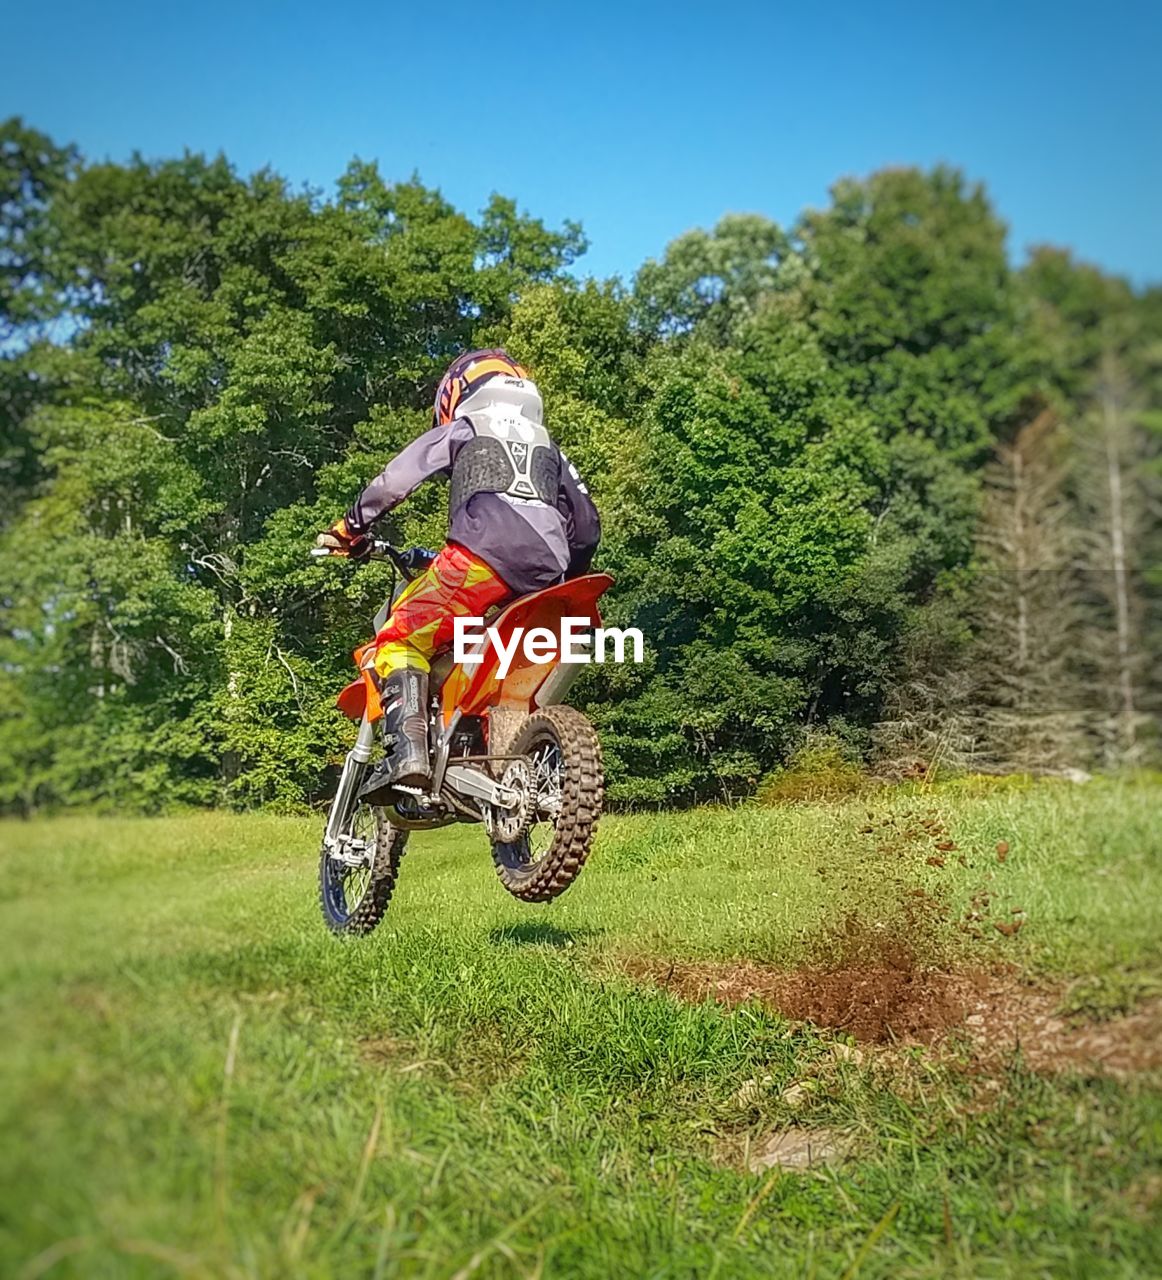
(417,559)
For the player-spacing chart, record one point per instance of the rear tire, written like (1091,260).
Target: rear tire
(563,748)
(355,901)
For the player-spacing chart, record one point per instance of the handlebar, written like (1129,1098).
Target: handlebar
(410,563)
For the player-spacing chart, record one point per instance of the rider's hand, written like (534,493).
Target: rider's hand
(339,540)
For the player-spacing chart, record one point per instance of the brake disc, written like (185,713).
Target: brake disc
(509,824)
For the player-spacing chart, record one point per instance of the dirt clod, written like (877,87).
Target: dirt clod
(988,1016)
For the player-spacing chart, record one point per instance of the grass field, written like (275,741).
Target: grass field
(197,1080)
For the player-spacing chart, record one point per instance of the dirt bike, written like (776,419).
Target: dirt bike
(505,752)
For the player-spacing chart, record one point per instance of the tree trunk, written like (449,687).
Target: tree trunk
(1128,721)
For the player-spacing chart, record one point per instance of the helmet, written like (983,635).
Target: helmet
(466,375)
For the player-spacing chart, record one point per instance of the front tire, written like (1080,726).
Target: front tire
(354,899)
(564,753)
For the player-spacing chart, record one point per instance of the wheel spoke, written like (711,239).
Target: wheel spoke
(563,760)
(548,778)
(357,878)
(352,881)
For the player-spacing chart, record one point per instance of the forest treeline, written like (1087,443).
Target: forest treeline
(859,476)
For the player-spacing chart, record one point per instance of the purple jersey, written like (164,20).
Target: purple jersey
(528,542)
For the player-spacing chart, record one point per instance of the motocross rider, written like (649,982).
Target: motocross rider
(519,519)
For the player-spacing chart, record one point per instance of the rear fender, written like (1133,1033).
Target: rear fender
(472,690)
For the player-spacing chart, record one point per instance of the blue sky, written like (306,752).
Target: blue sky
(639,119)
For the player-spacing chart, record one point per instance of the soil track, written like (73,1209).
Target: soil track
(992,1015)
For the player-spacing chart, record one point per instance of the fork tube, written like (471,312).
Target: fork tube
(353,769)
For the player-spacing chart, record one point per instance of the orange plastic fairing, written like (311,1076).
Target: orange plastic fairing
(472,689)
(361,695)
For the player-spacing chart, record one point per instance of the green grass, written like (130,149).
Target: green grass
(196,1079)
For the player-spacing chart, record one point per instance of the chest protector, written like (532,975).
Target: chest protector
(509,454)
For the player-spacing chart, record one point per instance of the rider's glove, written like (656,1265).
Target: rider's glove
(339,540)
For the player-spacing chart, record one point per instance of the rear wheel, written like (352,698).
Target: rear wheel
(561,769)
(357,876)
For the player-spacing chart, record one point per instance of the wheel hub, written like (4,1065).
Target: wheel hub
(352,852)
(508,824)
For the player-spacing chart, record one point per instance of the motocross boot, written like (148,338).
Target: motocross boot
(404,694)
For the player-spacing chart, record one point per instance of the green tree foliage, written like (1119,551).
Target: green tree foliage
(32,172)
(243,358)
(785,429)
(822,404)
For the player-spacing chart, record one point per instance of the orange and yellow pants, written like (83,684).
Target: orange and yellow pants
(455,584)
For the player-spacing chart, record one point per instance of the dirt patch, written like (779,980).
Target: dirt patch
(1005,1020)
(989,1016)
(891,963)
(878,1005)
(91,1000)
(386,1051)
(895,962)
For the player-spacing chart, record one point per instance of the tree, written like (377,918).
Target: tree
(1024,610)
(743,545)
(241,359)
(787,432)
(711,282)
(1120,514)
(989,677)
(33,170)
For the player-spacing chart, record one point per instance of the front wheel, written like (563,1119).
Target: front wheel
(357,875)
(560,768)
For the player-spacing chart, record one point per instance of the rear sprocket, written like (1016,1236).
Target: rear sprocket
(509,824)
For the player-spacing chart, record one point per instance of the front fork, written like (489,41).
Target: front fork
(350,780)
